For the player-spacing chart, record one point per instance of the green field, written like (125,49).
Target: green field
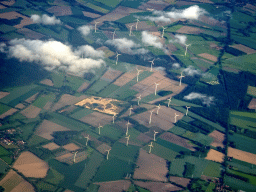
(98,86)
(62,35)
(54,177)
(173,28)
(90,169)
(111,131)
(42,186)
(126,153)
(181,103)
(43,99)
(212,169)
(108,90)
(27,130)
(149,98)
(238,184)
(78,114)
(243,121)
(113,169)
(6,28)
(110,3)
(177,130)
(3,166)
(251,178)
(36,140)
(3,151)
(243,143)
(4,108)
(97,8)
(171,146)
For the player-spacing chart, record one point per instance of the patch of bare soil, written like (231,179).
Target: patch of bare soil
(102,148)
(96,118)
(51,146)
(3,94)
(71,147)
(83,87)
(67,99)
(47,82)
(214,155)
(114,186)
(158,186)
(208,56)
(180,180)
(20,106)
(31,111)
(242,155)
(218,139)
(8,113)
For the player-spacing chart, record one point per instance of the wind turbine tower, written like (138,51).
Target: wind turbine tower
(158,107)
(130,110)
(138,73)
(152,63)
(114,34)
(187,110)
(114,118)
(136,26)
(127,127)
(186,49)
(75,157)
(169,101)
(176,118)
(139,98)
(180,77)
(87,140)
(155,135)
(163,31)
(150,146)
(130,30)
(108,153)
(99,128)
(156,87)
(95,29)
(117,57)
(150,117)
(128,137)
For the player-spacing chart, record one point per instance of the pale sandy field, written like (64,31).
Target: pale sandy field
(216,156)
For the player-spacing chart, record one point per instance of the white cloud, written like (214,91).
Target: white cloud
(158,19)
(2,47)
(151,40)
(85,29)
(181,39)
(52,55)
(127,46)
(176,65)
(191,71)
(45,19)
(207,100)
(89,51)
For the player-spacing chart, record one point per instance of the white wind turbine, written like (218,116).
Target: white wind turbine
(136,26)
(108,153)
(163,31)
(117,54)
(187,110)
(152,63)
(156,87)
(87,140)
(114,34)
(169,101)
(127,127)
(99,128)
(139,98)
(175,118)
(128,137)
(130,110)
(180,77)
(130,30)
(138,73)
(186,49)
(95,29)
(150,117)
(75,157)
(114,118)
(158,107)
(150,146)
(155,135)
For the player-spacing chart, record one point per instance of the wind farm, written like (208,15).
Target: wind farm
(127,95)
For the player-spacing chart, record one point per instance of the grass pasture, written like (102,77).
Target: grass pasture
(244,120)
(111,131)
(172,146)
(81,113)
(54,177)
(212,169)
(42,186)
(43,99)
(251,178)
(243,143)
(238,184)
(4,108)
(108,90)
(123,152)
(27,130)
(36,140)
(98,86)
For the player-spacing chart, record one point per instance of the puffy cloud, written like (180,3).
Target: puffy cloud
(45,19)
(176,65)
(127,46)
(207,100)
(151,40)
(2,47)
(54,55)
(193,12)
(191,71)
(89,51)
(181,39)
(85,29)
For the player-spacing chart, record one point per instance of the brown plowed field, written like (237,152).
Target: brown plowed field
(91,15)
(150,167)
(60,10)
(67,99)
(31,166)
(9,2)
(47,82)
(20,106)
(158,186)
(125,78)
(218,139)
(46,129)
(2,7)
(189,30)
(180,180)
(3,94)
(177,140)
(8,113)
(71,147)
(242,155)
(83,87)
(51,146)
(152,4)
(13,182)
(244,49)
(30,34)
(252,104)
(96,118)
(214,155)
(144,138)
(111,74)
(32,98)
(102,148)
(163,120)
(208,56)
(31,111)
(114,186)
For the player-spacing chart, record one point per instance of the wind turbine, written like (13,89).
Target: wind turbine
(169,101)
(114,118)
(158,107)
(187,110)
(186,49)
(150,117)
(152,63)
(117,57)
(128,123)
(86,140)
(75,157)
(176,117)
(130,110)
(150,146)
(139,98)
(128,137)
(156,87)
(138,73)
(163,31)
(99,128)
(180,77)
(108,153)
(114,34)
(130,30)
(155,135)
(95,26)
(136,26)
